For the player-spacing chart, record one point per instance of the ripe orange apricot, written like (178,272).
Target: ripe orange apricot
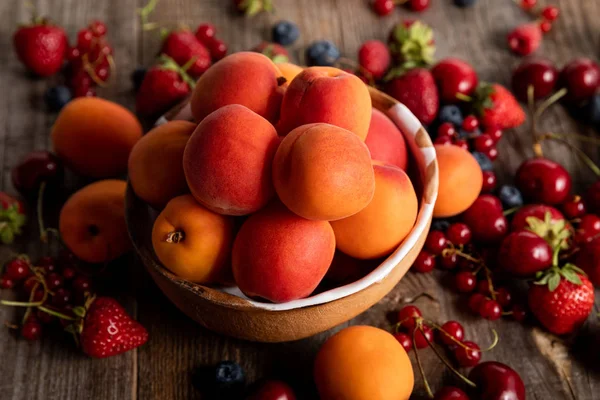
(289,70)
(156,163)
(460,181)
(385,141)
(363,363)
(92,222)
(379,228)
(192,241)
(94,136)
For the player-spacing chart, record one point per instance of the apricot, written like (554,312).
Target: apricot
(156,163)
(246,78)
(92,222)
(323,172)
(279,256)
(94,136)
(379,228)
(228,159)
(363,363)
(460,181)
(325,94)
(193,242)
(385,141)
(289,70)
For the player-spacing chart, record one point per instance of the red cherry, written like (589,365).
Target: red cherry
(483,143)
(274,390)
(446,129)
(449,261)
(495,133)
(425,262)
(462,144)
(588,229)
(443,140)
(450,393)
(31,330)
(436,242)
(489,182)
(574,207)
(581,78)
(523,253)
(491,153)
(486,220)
(528,4)
(404,340)
(537,72)
(205,32)
(490,309)
(469,355)
(6,283)
(458,234)
(543,181)
(36,167)
(422,338)
(475,301)
(465,281)
(470,123)
(84,40)
(453,76)
(17,269)
(454,330)
(383,7)
(503,297)
(407,317)
(519,221)
(496,381)
(98,28)
(518,312)
(550,13)
(217,48)
(419,5)
(545,26)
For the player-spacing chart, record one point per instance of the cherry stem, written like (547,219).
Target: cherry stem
(421,370)
(464,97)
(549,101)
(417,297)
(511,211)
(40,213)
(461,344)
(21,303)
(580,153)
(56,313)
(459,253)
(446,363)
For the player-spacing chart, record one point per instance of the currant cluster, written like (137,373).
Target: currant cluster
(386,7)
(527,38)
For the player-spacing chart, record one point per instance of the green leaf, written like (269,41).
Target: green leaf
(553,282)
(79,311)
(6,235)
(571,276)
(280,58)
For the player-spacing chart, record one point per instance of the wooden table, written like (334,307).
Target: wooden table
(53,369)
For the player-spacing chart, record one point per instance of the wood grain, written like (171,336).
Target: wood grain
(52,369)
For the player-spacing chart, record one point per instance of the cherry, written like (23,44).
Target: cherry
(581,78)
(518,312)
(495,133)
(465,281)
(54,281)
(462,144)
(98,28)
(217,48)
(16,269)
(274,390)
(404,340)
(418,5)
(406,317)
(61,297)
(443,140)
(523,253)
(36,167)
(453,76)
(436,242)
(491,153)
(31,330)
(486,220)
(483,143)
(550,13)
(449,261)
(425,262)
(458,234)
(446,129)
(475,301)
(470,123)
(383,7)
(84,40)
(82,284)
(490,309)
(204,32)
(450,393)
(528,4)
(48,263)
(469,355)
(588,229)
(538,211)
(537,72)
(497,381)
(6,283)
(503,297)
(423,338)
(489,182)
(544,181)
(452,329)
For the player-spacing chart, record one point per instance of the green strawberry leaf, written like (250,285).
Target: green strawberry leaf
(553,282)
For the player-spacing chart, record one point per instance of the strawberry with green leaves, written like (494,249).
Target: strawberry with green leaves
(411,45)
(416,89)
(12,218)
(496,106)
(276,52)
(41,46)
(187,51)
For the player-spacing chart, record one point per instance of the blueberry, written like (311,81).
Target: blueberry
(229,375)
(439,225)
(510,196)
(137,77)
(484,162)
(285,33)
(590,112)
(451,114)
(322,53)
(465,3)
(462,134)
(57,97)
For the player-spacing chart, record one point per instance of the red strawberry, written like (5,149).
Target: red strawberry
(108,330)
(164,85)
(497,107)
(187,51)
(274,51)
(12,218)
(525,39)
(454,76)
(375,58)
(562,299)
(41,47)
(416,90)
(253,7)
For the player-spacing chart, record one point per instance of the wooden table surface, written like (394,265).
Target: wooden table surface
(162,369)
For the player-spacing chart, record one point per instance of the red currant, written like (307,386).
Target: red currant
(574,207)
(545,26)
(550,13)
(424,262)
(61,297)
(489,182)
(404,340)
(17,269)
(407,315)
(462,144)
(29,284)
(436,242)
(6,283)
(503,297)
(274,390)
(38,295)
(54,281)
(451,329)
(422,338)
(102,73)
(465,281)
(519,313)
(528,4)
(483,142)
(446,129)
(491,153)
(449,261)
(84,40)
(443,140)
(98,28)
(475,302)
(469,355)
(490,309)
(419,5)
(383,7)
(68,273)
(458,234)
(82,284)
(470,123)
(31,330)
(494,133)
(204,32)
(73,54)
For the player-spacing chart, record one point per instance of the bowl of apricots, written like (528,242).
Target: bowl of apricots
(273,205)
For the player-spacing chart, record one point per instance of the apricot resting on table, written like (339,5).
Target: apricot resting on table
(246,78)
(92,222)
(227,161)
(156,163)
(323,172)
(289,70)
(279,256)
(380,227)
(385,141)
(330,95)
(460,181)
(363,363)
(192,241)
(94,136)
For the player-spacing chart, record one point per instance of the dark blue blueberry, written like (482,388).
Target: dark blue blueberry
(590,112)
(451,114)
(229,375)
(57,97)
(285,33)
(484,162)
(464,134)
(510,196)
(322,53)
(439,225)
(465,3)
(137,77)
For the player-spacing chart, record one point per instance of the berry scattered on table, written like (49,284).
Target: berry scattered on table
(510,196)
(322,53)
(185,49)
(537,72)
(581,78)
(34,169)
(41,46)
(525,39)
(454,76)
(374,58)
(285,33)
(57,97)
(419,80)
(229,376)
(274,51)
(383,7)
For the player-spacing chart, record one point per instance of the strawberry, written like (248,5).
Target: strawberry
(164,85)
(416,90)
(253,7)
(525,39)
(41,47)
(274,51)
(374,57)
(411,44)
(497,107)
(561,299)
(187,51)
(108,330)
(12,218)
